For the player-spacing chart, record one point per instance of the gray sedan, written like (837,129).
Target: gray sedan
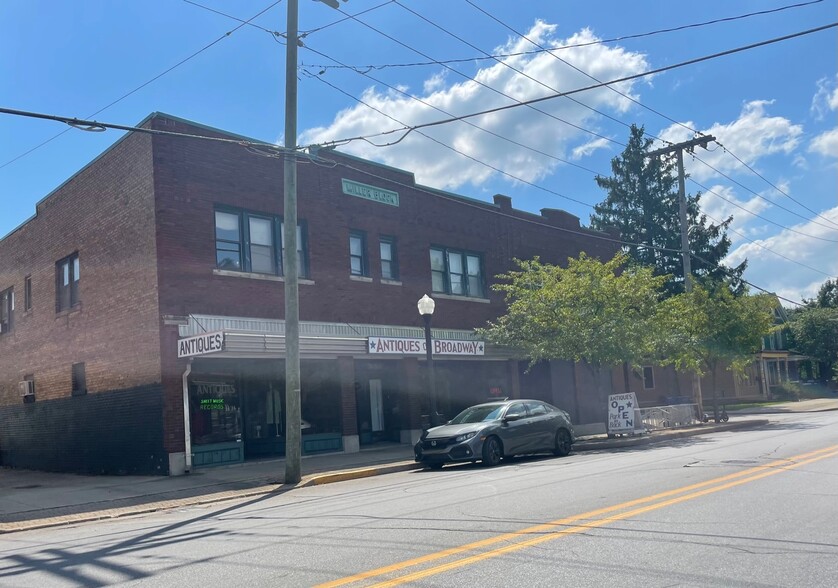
(488,432)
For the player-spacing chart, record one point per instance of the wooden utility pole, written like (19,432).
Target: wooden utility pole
(678,149)
(291,272)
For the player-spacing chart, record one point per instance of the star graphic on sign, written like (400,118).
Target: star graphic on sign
(480,347)
(628,404)
(372,345)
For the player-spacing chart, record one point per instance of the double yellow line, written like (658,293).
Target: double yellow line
(471,553)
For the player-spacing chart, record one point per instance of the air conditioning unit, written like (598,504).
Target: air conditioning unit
(27,388)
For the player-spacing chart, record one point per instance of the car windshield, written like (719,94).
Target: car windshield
(478,414)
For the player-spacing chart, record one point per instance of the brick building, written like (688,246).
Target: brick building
(165,239)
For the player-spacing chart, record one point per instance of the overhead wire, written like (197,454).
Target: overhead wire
(767,181)
(528,104)
(589,233)
(398,90)
(570,46)
(766,248)
(759,216)
(515,69)
(461,153)
(462,118)
(143,85)
(649,108)
(488,56)
(553,192)
(761,197)
(704,58)
(586,74)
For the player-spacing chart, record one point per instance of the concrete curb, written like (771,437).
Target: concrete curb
(661,437)
(332,477)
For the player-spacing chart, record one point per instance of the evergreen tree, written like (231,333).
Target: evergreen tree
(642,203)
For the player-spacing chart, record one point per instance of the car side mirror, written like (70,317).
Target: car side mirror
(511,417)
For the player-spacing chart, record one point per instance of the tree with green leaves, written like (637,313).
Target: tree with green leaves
(642,203)
(708,328)
(815,334)
(600,314)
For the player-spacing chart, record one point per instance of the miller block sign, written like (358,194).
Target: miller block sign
(404,346)
(621,412)
(200,344)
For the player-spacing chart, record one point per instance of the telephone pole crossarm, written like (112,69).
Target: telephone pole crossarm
(701,141)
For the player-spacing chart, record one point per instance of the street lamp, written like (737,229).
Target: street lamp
(426,306)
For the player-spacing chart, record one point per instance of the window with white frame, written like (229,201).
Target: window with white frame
(7,307)
(247,242)
(389,260)
(455,272)
(67,283)
(358,263)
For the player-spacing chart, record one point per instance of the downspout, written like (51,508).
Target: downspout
(187,432)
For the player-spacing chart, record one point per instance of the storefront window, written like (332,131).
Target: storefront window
(215,412)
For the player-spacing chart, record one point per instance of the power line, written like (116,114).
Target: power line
(440,110)
(754,214)
(761,197)
(761,246)
(586,44)
(466,155)
(626,96)
(589,233)
(505,64)
(408,129)
(767,181)
(141,86)
(97,126)
(466,76)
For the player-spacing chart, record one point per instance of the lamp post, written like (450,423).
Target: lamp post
(426,306)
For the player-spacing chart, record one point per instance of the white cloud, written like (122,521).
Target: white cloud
(434,83)
(826,98)
(720,202)
(435,165)
(790,278)
(826,143)
(586,149)
(751,136)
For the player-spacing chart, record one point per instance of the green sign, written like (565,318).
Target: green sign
(370,192)
(212,404)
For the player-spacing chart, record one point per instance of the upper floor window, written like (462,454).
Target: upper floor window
(302,247)
(457,272)
(67,283)
(247,242)
(389,260)
(358,265)
(7,307)
(27,293)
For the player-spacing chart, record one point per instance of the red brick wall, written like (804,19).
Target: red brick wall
(106,213)
(192,176)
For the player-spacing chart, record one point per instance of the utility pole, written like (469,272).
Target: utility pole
(678,149)
(293,442)
(291,271)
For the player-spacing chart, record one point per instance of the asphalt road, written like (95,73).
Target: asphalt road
(751,508)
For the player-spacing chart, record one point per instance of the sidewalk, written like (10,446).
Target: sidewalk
(811,405)
(34,500)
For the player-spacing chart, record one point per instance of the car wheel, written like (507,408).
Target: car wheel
(492,452)
(434,466)
(563,443)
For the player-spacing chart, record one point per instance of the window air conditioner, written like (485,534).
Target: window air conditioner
(27,388)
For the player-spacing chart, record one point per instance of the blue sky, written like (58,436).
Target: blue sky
(773,107)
